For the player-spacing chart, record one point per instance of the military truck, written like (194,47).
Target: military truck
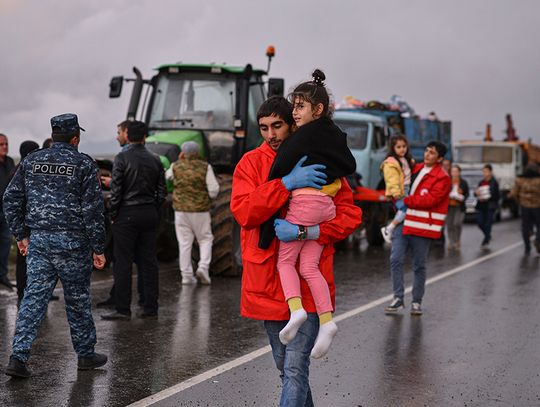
(214,105)
(368,128)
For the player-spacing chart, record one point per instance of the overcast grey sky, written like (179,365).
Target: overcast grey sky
(470,61)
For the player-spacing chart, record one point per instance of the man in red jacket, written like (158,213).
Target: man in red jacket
(254,199)
(426,208)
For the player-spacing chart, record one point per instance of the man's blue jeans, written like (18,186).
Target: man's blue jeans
(419,247)
(5,245)
(485,221)
(292,360)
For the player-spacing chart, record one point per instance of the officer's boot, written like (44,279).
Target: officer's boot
(91,362)
(17,368)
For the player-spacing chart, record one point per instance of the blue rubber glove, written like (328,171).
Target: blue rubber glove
(400,205)
(302,177)
(287,232)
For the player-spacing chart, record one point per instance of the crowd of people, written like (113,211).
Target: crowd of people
(289,196)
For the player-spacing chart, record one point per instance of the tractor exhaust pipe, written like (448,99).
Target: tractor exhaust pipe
(135,95)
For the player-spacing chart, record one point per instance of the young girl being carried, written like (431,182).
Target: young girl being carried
(397,168)
(322,142)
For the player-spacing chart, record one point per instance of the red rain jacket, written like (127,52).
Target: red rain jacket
(254,199)
(428,206)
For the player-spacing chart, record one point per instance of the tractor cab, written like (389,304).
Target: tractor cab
(213,105)
(216,106)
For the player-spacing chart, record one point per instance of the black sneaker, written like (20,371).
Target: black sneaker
(147,315)
(5,282)
(17,368)
(395,306)
(116,316)
(416,308)
(91,362)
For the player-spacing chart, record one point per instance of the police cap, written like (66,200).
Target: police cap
(66,123)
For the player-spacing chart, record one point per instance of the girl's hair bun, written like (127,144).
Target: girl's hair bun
(318,77)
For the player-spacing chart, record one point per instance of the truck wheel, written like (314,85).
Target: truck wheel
(377,215)
(226,256)
(373,234)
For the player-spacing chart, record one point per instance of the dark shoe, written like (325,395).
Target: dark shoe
(108,303)
(527,250)
(485,243)
(395,306)
(91,362)
(17,368)
(537,246)
(116,316)
(54,298)
(147,315)
(416,308)
(5,282)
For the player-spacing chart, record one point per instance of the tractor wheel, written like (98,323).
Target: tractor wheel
(166,244)
(226,256)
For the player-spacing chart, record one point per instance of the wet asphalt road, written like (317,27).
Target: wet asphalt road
(477,344)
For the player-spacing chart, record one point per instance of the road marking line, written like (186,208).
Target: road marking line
(186,384)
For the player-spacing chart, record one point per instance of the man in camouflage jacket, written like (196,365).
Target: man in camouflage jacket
(194,185)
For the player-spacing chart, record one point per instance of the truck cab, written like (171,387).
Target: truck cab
(367,137)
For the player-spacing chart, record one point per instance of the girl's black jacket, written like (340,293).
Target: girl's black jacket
(324,143)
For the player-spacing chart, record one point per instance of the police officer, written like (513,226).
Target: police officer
(54,207)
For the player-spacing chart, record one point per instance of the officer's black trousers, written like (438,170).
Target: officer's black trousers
(134,231)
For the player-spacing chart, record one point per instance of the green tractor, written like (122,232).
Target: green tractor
(215,106)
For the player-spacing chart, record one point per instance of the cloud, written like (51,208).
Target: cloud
(471,62)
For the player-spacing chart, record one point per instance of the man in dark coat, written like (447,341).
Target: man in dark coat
(137,192)
(7,167)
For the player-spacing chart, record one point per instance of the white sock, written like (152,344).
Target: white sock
(296,320)
(324,339)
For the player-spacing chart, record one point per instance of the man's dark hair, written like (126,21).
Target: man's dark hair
(27,147)
(65,137)
(276,106)
(136,131)
(47,143)
(440,147)
(488,167)
(123,125)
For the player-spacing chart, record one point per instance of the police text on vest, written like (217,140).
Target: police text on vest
(53,169)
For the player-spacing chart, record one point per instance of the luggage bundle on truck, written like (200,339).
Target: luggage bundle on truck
(402,119)
(368,126)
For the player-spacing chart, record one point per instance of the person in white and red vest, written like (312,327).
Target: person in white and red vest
(426,208)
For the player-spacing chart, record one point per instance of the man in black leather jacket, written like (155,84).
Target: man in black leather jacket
(137,192)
